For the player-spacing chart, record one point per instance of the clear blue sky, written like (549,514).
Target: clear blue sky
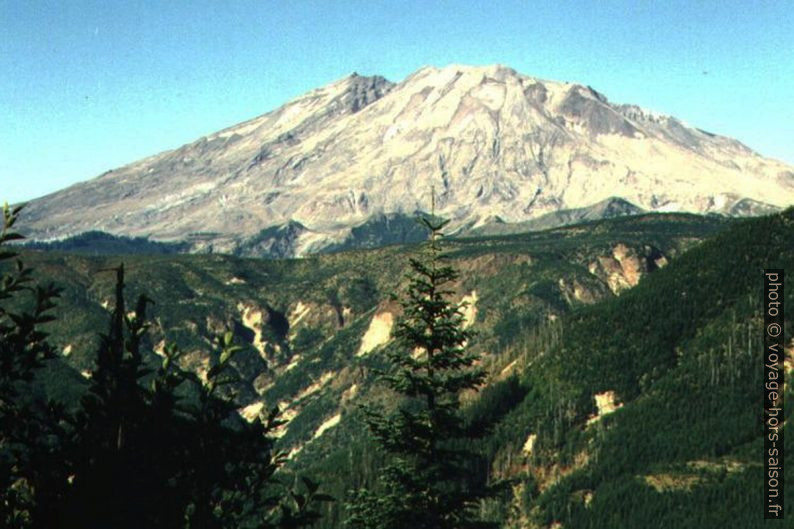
(88,86)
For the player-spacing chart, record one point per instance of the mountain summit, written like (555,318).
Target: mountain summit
(492,143)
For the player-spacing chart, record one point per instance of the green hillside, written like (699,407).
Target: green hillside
(683,352)
(680,354)
(562,330)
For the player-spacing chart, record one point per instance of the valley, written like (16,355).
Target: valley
(594,337)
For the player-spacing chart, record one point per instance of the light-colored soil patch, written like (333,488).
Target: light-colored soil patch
(252,319)
(547,476)
(286,415)
(588,498)
(263,382)
(469,309)
(580,293)
(314,387)
(330,423)
(529,444)
(670,482)
(378,333)
(506,370)
(293,363)
(629,264)
(606,403)
(298,313)
(252,411)
(349,393)
(621,270)
(577,290)
(295,450)
(725,464)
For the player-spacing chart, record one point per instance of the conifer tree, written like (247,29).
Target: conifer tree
(121,472)
(427,483)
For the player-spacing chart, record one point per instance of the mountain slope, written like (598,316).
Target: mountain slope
(613,382)
(492,142)
(641,410)
(606,209)
(313,329)
(679,358)
(301,318)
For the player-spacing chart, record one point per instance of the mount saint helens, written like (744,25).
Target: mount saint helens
(361,154)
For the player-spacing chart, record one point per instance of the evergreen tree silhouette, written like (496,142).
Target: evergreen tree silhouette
(426,483)
(33,475)
(118,480)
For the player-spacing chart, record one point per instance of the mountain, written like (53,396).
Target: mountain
(493,143)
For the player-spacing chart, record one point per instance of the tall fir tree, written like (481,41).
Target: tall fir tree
(427,482)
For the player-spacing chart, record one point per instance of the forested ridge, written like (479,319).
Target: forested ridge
(636,410)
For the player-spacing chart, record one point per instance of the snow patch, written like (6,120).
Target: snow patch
(491,95)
